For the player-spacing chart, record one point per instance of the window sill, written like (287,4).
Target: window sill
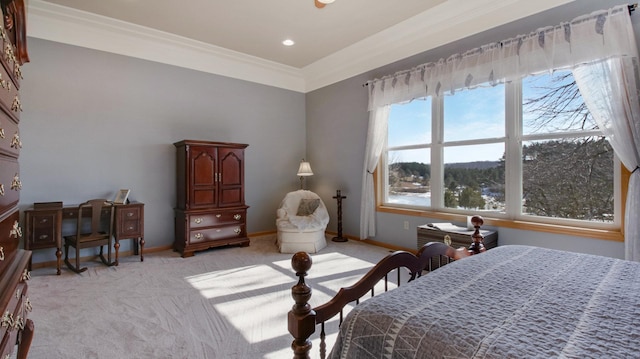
(604,234)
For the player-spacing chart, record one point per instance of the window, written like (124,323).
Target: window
(525,150)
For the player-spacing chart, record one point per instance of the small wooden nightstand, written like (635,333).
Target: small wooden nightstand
(455,238)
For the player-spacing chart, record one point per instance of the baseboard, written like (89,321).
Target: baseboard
(265,235)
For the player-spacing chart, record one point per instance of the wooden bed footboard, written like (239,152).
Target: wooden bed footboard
(302,319)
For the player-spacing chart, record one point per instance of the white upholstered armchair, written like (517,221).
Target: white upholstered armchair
(301,220)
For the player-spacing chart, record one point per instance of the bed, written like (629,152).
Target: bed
(509,302)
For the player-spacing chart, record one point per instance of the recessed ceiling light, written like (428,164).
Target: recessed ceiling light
(288,42)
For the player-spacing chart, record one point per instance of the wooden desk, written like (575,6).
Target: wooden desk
(43,227)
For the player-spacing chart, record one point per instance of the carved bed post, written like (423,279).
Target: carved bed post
(301,319)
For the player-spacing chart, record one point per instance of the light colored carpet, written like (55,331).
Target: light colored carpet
(222,303)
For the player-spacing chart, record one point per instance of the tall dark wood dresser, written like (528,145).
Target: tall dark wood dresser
(210,210)
(15,327)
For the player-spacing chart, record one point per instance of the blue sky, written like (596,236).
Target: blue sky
(470,114)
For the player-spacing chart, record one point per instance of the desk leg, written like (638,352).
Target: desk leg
(141,249)
(59,259)
(117,248)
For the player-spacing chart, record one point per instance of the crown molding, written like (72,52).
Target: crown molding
(447,22)
(74,27)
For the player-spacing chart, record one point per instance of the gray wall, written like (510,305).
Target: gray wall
(94,122)
(337,126)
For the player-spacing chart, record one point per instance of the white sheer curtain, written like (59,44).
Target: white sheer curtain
(589,39)
(376,135)
(610,91)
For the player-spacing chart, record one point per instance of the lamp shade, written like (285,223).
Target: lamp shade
(305,169)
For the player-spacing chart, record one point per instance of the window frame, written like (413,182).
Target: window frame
(513,184)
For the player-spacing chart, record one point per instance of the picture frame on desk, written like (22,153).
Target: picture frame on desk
(121,197)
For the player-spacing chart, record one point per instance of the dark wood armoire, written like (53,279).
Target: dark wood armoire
(210,210)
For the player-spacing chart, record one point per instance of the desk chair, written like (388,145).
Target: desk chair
(100,213)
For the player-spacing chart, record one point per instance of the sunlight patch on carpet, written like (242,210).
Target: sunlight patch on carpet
(229,281)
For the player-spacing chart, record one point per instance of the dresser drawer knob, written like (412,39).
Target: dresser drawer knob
(237,230)
(1,253)
(26,275)
(16,106)
(218,230)
(18,71)
(15,141)
(199,236)
(130,214)
(18,323)
(198,220)
(218,215)
(16,231)
(237,217)
(7,320)
(15,183)
(43,237)
(447,239)
(8,52)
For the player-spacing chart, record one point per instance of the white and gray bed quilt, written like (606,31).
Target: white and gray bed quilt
(510,302)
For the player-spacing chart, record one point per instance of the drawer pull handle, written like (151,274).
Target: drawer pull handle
(129,214)
(1,253)
(447,239)
(218,215)
(43,236)
(15,183)
(16,106)
(44,220)
(237,217)
(18,72)
(218,230)
(18,323)
(16,231)
(26,275)
(130,228)
(237,230)
(8,53)
(7,320)
(198,220)
(199,236)
(15,141)
(27,305)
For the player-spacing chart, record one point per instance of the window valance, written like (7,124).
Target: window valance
(595,37)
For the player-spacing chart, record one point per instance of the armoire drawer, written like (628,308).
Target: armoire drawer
(216,233)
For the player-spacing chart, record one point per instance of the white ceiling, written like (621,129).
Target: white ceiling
(242,38)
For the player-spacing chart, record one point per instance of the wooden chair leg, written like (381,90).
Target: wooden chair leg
(68,262)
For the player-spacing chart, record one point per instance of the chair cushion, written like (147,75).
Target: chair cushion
(307,206)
